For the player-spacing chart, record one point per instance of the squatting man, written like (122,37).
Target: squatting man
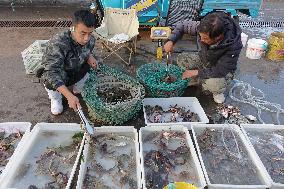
(219,39)
(67,60)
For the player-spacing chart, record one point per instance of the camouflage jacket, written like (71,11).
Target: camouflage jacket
(65,60)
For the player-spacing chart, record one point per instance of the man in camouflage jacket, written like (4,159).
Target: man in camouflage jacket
(67,60)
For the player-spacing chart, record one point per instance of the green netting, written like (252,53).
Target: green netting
(152,76)
(115,112)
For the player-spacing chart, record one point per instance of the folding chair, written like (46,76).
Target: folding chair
(119,30)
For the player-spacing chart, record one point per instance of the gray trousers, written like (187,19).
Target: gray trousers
(192,61)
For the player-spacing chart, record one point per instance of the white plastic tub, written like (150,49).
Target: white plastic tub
(125,131)
(264,128)
(201,183)
(14,127)
(191,103)
(42,136)
(262,174)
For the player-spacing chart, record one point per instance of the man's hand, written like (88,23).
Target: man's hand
(73,102)
(92,62)
(189,74)
(168,47)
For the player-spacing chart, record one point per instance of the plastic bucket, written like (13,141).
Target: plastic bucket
(244,38)
(256,48)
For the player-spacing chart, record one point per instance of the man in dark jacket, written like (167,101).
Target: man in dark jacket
(67,60)
(219,38)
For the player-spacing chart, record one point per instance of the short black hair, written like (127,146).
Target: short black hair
(85,17)
(212,24)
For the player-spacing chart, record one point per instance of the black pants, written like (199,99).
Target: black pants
(73,77)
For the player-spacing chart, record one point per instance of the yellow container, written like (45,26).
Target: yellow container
(276,43)
(180,185)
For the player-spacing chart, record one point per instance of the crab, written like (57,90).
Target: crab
(169,79)
(7,145)
(114,95)
(32,187)
(223,164)
(158,118)
(111,145)
(56,159)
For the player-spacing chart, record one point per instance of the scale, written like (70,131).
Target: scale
(160,34)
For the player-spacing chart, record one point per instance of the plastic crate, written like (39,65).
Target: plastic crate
(13,127)
(246,128)
(198,128)
(191,103)
(126,130)
(201,183)
(32,56)
(36,145)
(253,6)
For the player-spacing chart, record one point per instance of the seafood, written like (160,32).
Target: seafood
(116,148)
(163,163)
(32,187)
(156,114)
(169,79)
(269,146)
(114,95)
(225,158)
(230,115)
(8,145)
(56,159)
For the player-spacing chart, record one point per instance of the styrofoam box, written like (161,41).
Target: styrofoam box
(198,128)
(42,136)
(191,103)
(13,127)
(174,127)
(125,130)
(263,127)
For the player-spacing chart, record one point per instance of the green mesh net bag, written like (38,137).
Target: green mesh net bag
(105,101)
(155,78)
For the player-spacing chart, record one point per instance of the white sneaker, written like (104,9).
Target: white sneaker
(56,106)
(219,98)
(55,97)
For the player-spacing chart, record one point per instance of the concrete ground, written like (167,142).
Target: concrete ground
(23,99)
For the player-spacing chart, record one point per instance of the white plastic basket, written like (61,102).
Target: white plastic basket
(264,128)
(36,145)
(262,174)
(125,130)
(32,56)
(13,127)
(191,103)
(201,183)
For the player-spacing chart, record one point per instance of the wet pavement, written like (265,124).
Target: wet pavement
(22,99)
